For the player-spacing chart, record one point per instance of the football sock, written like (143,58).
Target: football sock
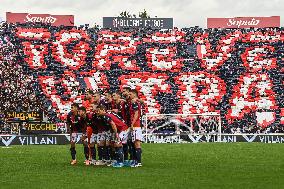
(73,153)
(112,153)
(133,152)
(125,151)
(93,151)
(86,152)
(119,154)
(100,152)
(138,154)
(107,152)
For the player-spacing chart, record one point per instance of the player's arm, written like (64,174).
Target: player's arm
(114,128)
(114,110)
(135,118)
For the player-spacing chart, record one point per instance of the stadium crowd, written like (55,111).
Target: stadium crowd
(21,90)
(18,92)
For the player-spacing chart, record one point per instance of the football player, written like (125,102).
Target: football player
(135,127)
(120,133)
(103,133)
(92,135)
(74,130)
(83,122)
(129,146)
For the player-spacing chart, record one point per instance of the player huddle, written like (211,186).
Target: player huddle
(109,128)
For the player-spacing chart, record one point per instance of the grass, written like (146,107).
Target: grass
(202,165)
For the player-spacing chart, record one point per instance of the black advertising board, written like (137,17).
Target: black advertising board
(155,23)
(55,139)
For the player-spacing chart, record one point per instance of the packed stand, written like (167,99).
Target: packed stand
(161,64)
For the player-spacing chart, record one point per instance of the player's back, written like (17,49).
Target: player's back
(120,124)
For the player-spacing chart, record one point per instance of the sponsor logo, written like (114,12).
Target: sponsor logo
(271,139)
(163,139)
(37,140)
(23,116)
(195,139)
(249,138)
(7,140)
(229,138)
(47,19)
(41,127)
(239,22)
(115,22)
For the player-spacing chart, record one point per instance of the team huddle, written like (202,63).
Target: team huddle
(109,127)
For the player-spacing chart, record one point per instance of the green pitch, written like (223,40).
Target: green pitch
(203,165)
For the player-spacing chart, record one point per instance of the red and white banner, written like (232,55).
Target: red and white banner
(54,20)
(248,95)
(244,22)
